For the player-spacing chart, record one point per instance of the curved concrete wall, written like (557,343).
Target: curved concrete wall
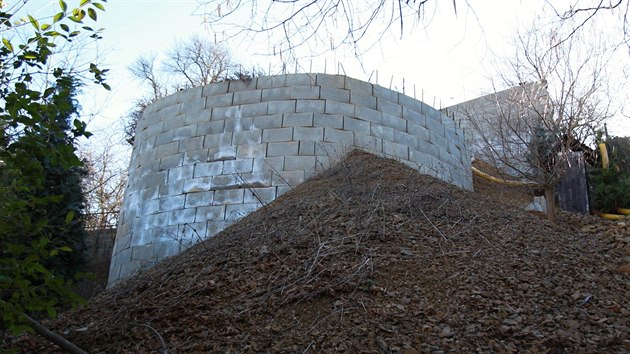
(207,156)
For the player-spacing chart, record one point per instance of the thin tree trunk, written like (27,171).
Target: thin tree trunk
(53,337)
(551,203)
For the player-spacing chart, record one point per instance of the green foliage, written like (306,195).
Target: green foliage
(41,232)
(610,189)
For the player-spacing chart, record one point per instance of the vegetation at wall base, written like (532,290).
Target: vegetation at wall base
(42,236)
(610,188)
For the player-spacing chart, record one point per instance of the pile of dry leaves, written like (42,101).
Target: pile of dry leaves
(372,257)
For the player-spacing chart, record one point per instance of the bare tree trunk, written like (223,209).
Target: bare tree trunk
(551,203)
(55,338)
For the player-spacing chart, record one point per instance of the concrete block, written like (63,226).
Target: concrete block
(335,151)
(297,120)
(173,122)
(368,114)
(358,86)
(368,143)
(307,133)
(338,136)
(264,82)
(239,124)
(322,163)
(247,137)
(171,188)
(412,103)
(208,128)
(255,109)
(341,108)
(277,135)
(191,144)
(260,195)
(154,179)
(149,193)
(171,161)
(269,164)
(238,166)
(217,140)
(254,180)
(215,89)
(285,106)
(164,138)
(150,206)
(307,148)
(435,127)
(290,178)
(267,122)
(215,227)
(379,131)
(280,190)
(208,169)
(330,80)
(223,100)
(304,92)
(394,122)
(169,112)
(419,131)
(197,199)
(405,139)
(142,252)
(184,132)
(279,80)
(396,150)
(208,213)
(166,248)
(244,97)
(226,113)
(356,125)
(242,85)
(334,94)
(251,150)
(299,163)
(180,173)
(236,212)
(168,149)
(288,148)
(195,156)
(200,184)
(367,101)
(222,153)
(229,181)
(276,94)
(229,196)
(172,203)
(189,94)
(179,217)
(428,148)
(413,116)
(328,120)
(149,168)
(439,140)
(301,79)
(386,94)
(310,106)
(388,107)
(197,117)
(194,105)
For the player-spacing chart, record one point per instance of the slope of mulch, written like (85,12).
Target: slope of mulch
(370,257)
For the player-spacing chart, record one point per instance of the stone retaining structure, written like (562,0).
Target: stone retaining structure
(207,156)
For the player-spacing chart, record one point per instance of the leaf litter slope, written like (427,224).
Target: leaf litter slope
(371,257)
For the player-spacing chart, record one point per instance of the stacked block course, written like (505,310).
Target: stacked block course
(207,156)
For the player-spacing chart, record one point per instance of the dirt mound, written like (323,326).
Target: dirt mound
(370,257)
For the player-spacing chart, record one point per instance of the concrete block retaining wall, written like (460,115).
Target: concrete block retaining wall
(207,156)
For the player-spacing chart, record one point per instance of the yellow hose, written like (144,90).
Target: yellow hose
(503,181)
(623,211)
(613,216)
(604,152)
